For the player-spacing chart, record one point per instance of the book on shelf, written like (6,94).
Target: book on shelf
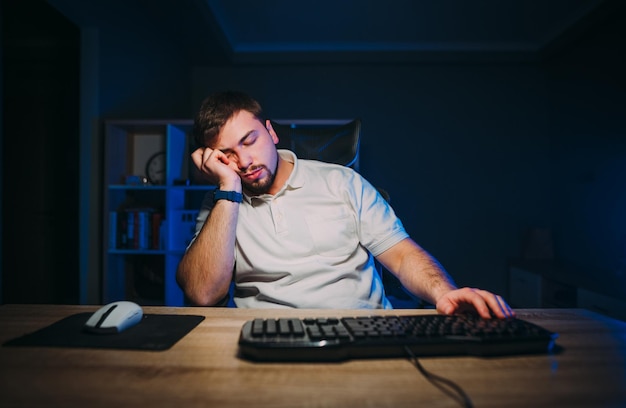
(135,228)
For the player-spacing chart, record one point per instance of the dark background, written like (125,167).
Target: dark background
(40,194)
(473,153)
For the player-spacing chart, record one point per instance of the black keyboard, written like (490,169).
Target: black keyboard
(333,339)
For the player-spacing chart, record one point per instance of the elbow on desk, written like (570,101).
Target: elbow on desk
(200,297)
(198,294)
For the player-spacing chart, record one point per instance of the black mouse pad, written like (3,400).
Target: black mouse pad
(155,332)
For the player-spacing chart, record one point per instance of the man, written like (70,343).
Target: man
(299,233)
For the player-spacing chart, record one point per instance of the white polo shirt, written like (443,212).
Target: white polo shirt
(311,244)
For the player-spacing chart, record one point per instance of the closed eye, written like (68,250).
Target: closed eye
(250,139)
(247,140)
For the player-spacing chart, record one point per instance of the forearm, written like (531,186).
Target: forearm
(205,271)
(418,271)
(423,276)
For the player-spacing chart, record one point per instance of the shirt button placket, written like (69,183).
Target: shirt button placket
(278,217)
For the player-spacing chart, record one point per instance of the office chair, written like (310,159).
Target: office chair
(331,143)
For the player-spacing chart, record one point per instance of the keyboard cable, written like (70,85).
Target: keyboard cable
(448,387)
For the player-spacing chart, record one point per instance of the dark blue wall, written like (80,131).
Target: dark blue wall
(588,156)
(142,74)
(472,154)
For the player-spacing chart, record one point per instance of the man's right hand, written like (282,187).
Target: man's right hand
(218,169)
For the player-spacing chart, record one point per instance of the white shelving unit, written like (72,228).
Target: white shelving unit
(144,271)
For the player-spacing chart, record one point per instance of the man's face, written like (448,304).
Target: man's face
(250,148)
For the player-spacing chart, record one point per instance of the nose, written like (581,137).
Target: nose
(243,160)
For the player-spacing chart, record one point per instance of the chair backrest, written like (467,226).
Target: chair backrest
(332,143)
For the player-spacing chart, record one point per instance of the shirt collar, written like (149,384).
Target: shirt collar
(295,180)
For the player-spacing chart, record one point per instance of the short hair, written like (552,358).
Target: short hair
(219,108)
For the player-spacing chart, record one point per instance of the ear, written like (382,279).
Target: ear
(270,129)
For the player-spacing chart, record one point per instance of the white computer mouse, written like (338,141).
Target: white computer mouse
(114,317)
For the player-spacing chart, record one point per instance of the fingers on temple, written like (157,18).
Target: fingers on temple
(196,156)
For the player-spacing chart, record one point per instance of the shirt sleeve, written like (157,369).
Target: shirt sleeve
(378,226)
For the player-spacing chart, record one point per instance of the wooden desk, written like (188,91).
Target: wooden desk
(202,369)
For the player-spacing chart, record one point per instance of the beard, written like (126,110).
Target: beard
(261,186)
